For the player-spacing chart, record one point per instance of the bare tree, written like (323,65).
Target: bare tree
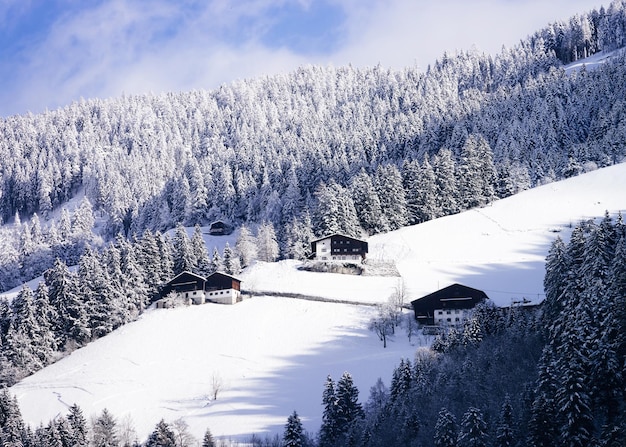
(182,435)
(127,432)
(217,385)
(382,324)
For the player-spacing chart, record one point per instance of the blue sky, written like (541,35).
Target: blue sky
(53,52)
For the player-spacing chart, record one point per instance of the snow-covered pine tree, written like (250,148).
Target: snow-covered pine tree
(184,257)
(207,439)
(473,430)
(505,436)
(367,204)
(162,436)
(445,430)
(200,252)
(446,183)
(72,324)
(293,435)
(267,244)
(329,430)
(216,261)
(246,246)
(78,426)
(388,184)
(104,430)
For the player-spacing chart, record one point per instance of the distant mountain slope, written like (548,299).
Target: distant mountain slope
(273,354)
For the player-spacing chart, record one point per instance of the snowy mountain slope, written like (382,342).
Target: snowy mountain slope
(273,354)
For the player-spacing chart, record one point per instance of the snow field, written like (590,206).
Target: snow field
(272,355)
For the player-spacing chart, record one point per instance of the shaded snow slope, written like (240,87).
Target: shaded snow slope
(273,354)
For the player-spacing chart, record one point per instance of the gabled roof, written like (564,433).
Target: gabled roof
(187,273)
(337,234)
(454,296)
(223,274)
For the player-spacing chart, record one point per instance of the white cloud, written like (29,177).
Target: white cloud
(124,46)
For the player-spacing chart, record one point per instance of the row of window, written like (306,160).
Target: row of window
(448,312)
(221,292)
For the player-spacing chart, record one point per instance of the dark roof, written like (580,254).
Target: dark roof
(222,274)
(185,275)
(455,296)
(339,235)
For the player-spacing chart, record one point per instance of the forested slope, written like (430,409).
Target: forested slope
(325,149)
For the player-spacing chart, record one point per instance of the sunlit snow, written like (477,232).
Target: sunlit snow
(272,355)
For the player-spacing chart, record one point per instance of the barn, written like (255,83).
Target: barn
(218,287)
(186,285)
(449,306)
(220,228)
(222,288)
(338,247)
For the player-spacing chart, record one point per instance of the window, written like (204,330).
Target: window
(448,312)
(440,312)
(448,320)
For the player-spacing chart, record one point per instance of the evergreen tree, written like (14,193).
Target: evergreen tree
(267,245)
(46,342)
(184,257)
(505,436)
(72,322)
(200,253)
(297,237)
(228,258)
(367,204)
(216,261)
(473,429)
(446,183)
(97,294)
(104,430)
(246,247)
(135,289)
(445,429)
(293,436)
(12,429)
(162,436)
(391,195)
(348,410)
(78,426)
(329,430)
(207,439)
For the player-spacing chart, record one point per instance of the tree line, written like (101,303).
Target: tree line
(107,289)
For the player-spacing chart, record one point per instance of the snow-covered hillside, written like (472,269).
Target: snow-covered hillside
(272,354)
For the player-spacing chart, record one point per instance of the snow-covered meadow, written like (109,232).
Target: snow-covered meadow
(269,356)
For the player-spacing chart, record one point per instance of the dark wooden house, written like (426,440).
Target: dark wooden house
(449,306)
(194,289)
(223,288)
(338,247)
(220,228)
(186,285)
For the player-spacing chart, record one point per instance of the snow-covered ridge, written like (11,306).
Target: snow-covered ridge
(272,354)
(593,62)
